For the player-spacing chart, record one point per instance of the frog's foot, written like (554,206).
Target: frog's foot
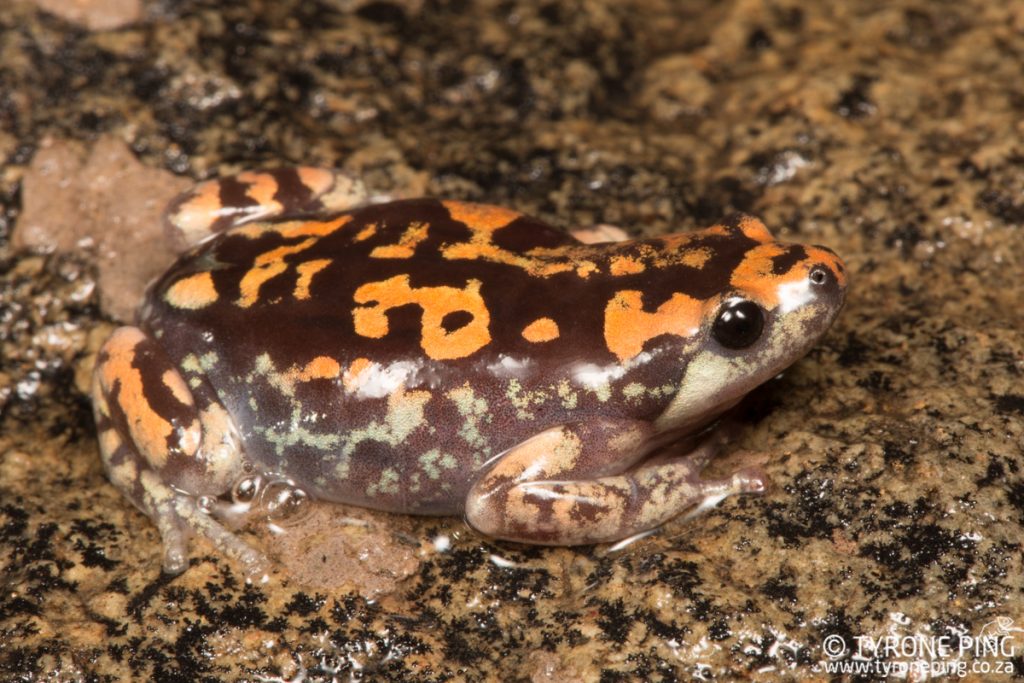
(278,194)
(601,232)
(166,445)
(570,486)
(179,517)
(714,491)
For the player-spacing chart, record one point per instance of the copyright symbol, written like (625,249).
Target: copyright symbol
(834,646)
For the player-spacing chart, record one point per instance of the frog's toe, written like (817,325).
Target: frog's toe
(750,480)
(746,480)
(201,523)
(175,540)
(175,559)
(179,518)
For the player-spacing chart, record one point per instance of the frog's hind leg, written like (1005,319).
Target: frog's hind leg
(165,446)
(573,485)
(284,193)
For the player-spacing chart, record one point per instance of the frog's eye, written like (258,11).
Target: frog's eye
(739,324)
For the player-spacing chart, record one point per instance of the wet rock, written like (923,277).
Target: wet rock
(890,133)
(101,200)
(95,15)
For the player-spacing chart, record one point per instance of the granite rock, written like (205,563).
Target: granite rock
(890,132)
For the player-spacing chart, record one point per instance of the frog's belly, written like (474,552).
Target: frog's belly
(422,481)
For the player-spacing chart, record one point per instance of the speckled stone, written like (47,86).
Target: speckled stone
(888,131)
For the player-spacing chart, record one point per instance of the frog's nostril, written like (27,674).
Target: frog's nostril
(819,275)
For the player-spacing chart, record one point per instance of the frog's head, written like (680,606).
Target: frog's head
(776,301)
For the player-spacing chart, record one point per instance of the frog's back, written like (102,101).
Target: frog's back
(435,332)
(450,284)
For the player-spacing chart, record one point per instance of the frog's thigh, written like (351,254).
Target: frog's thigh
(527,497)
(160,446)
(284,193)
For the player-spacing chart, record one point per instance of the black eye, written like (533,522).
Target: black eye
(819,275)
(739,324)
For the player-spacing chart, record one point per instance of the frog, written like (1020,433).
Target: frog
(442,357)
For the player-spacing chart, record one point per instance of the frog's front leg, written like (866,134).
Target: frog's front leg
(165,445)
(275,194)
(577,484)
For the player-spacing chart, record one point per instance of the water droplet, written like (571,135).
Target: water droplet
(246,490)
(284,501)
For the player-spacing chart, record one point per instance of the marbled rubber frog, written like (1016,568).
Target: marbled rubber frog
(442,357)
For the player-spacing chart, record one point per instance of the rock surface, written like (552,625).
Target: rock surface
(890,132)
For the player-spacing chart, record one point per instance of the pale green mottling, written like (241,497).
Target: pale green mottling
(524,400)
(428,462)
(208,361)
(474,412)
(296,433)
(387,484)
(264,366)
(191,364)
(404,416)
(570,398)
(633,390)
(433,461)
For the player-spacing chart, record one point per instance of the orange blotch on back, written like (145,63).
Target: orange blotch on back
(306,271)
(480,216)
(406,247)
(626,265)
(351,378)
(291,229)
(748,225)
(366,233)
(312,228)
(249,287)
(192,292)
(754,276)
(627,327)
(321,367)
(755,229)
(272,263)
(541,330)
(437,302)
(484,220)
